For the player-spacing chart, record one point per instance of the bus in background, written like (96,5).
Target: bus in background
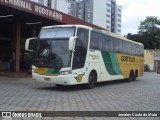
(78,54)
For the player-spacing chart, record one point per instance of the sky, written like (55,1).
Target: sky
(135,11)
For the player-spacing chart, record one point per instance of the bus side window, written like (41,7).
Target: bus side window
(117,45)
(80,48)
(129,46)
(142,51)
(96,41)
(106,43)
(137,49)
(125,47)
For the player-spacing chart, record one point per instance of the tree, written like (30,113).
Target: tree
(150,33)
(136,38)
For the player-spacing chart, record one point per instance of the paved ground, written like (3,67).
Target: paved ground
(23,94)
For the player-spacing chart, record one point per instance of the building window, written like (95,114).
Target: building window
(108,27)
(119,25)
(108,10)
(119,20)
(119,15)
(108,5)
(40,1)
(108,21)
(108,16)
(119,10)
(119,30)
(49,3)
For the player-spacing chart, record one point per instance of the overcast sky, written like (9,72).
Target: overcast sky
(134,11)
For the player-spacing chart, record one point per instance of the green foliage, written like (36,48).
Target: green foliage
(149,25)
(149,33)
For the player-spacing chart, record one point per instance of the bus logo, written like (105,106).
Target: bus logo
(6,114)
(127,59)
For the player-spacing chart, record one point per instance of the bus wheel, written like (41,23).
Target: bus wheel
(135,75)
(92,80)
(131,76)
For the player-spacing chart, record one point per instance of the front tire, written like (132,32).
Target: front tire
(91,80)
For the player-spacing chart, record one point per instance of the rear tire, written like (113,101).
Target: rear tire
(91,80)
(135,75)
(131,76)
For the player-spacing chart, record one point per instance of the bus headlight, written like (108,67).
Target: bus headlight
(34,70)
(65,72)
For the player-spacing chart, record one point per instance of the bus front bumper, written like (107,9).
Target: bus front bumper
(59,79)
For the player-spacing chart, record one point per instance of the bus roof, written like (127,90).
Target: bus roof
(120,37)
(70,25)
(100,31)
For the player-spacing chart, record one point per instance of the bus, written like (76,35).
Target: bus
(78,54)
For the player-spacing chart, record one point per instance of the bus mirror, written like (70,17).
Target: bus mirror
(71,43)
(30,44)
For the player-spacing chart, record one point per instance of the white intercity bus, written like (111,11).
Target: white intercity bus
(78,54)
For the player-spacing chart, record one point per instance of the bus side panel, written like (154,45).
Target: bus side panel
(128,63)
(105,64)
(110,68)
(94,62)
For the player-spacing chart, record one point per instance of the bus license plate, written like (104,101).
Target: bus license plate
(47,79)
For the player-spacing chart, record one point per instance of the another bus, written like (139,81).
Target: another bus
(78,54)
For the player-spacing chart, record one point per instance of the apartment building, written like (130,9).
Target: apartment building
(104,13)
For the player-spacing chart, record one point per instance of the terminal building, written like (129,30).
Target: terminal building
(22,19)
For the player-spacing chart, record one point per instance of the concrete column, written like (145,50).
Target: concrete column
(16,46)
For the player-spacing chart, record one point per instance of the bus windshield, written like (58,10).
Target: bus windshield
(52,53)
(57,32)
(52,49)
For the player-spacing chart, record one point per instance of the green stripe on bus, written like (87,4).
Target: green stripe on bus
(115,63)
(108,63)
(111,63)
(53,70)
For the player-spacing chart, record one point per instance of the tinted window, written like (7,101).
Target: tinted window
(57,32)
(141,51)
(134,49)
(80,48)
(124,47)
(117,45)
(96,41)
(106,43)
(137,50)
